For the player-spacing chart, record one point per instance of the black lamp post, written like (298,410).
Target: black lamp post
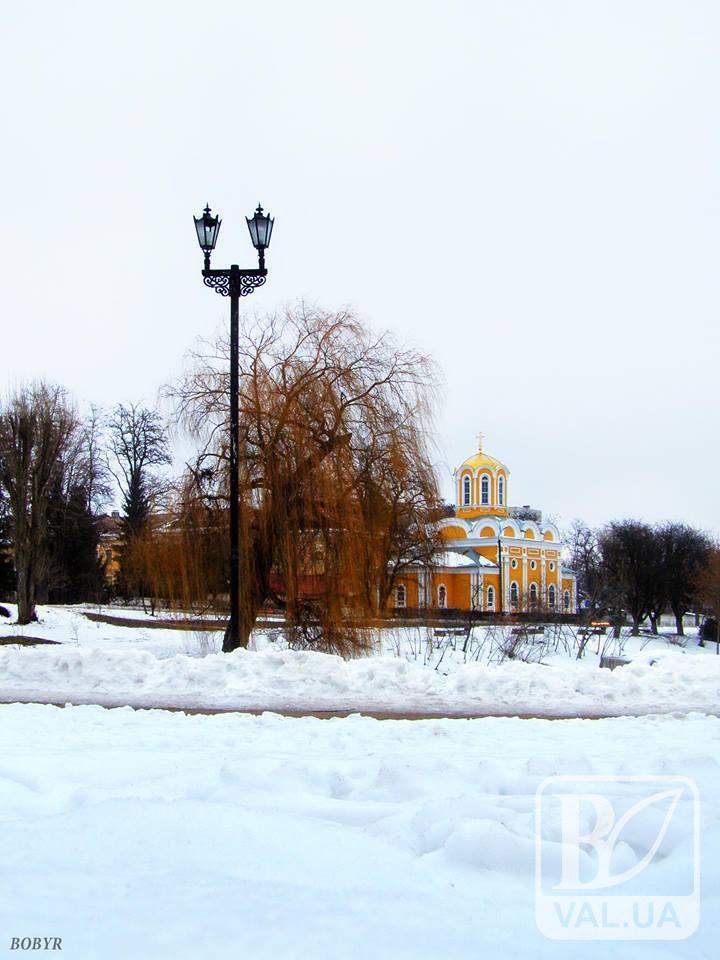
(234,283)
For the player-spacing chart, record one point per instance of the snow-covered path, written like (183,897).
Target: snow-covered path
(158,835)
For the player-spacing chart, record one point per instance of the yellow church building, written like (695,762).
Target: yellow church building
(497,558)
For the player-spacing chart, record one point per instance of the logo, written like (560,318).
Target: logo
(617,858)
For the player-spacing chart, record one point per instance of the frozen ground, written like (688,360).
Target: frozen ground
(161,836)
(99,663)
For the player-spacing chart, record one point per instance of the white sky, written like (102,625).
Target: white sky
(528,191)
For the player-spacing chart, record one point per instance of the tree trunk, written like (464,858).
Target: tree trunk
(679,623)
(635,626)
(25,594)
(654,624)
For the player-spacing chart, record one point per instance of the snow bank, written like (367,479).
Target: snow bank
(112,665)
(283,679)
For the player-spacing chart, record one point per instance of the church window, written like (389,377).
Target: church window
(514,594)
(401,596)
(442,596)
(485,490)
(501,491)
(491,598)
(513,564)
(566,600)
(552,566)
(466,491)
(551,597)
(533,564)
(533,595)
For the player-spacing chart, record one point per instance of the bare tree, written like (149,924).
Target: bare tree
(631,568)
(137,442)
(38,435)
(396,488)
(585,559)
(684,554)
(97,479)
(78,493)
(332,426)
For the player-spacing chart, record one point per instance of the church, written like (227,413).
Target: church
(496,558)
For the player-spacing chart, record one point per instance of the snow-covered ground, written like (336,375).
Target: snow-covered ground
(101,663)
(150,834)
(165,836)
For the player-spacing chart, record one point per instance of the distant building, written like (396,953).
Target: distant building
(109,527)
(497,558)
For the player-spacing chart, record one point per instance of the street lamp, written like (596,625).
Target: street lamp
(234,283)
(207,228)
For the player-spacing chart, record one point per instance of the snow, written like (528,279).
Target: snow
(286,679)
(452,559)
(111,665)
(156,835)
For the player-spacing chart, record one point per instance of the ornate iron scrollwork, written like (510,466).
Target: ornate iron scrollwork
(221,285)
(249,284)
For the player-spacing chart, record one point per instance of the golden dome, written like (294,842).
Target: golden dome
(481,459)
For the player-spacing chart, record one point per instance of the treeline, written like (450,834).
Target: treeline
(58,472)
(633,570)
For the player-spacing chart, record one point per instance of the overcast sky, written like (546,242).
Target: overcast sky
(526,190)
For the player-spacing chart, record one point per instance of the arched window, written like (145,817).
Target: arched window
(551,596)
(442,596)
(401,595)
(566,599)
(466,491)
(514,595)
(533,564)
(485,490)
(491,598)
(501,491)
(533,595)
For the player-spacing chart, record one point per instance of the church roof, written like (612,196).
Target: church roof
(481,459)
(457,560)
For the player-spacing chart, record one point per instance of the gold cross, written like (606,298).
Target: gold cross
(480,441)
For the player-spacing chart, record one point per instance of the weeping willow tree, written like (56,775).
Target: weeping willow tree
(337,491)
(179,557)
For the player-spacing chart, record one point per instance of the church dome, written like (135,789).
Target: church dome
(481,459)
(482,485)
